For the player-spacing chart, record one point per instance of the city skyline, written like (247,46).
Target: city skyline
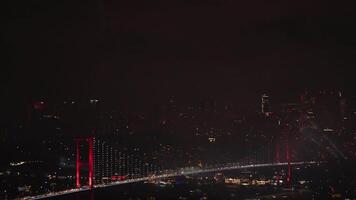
(178,99)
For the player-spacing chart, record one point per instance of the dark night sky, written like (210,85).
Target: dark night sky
(144,51)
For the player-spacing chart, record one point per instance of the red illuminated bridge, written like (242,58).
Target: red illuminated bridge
(107,166)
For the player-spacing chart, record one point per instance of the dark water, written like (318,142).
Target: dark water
(187,191)
(324,182)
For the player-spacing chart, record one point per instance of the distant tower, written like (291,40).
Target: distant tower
(265,104)
(342,105)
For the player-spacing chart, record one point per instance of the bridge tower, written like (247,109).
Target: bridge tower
(89,163)
(277,160)
(287,159)
(289,172)
(277,153)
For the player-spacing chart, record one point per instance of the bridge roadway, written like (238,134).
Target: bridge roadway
(180,172)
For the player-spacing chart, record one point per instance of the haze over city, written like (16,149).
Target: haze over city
(191,99)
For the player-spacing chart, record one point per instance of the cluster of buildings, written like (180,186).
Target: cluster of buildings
(131,143)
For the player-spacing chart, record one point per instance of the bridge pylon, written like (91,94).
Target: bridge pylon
(286,149)
(289,172)
(89,163)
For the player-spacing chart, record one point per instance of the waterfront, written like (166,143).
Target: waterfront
(187,191)
(323,182)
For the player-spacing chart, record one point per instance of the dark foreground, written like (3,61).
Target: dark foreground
(323,182)
(141,191)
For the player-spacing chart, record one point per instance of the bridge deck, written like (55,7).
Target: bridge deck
(169,175)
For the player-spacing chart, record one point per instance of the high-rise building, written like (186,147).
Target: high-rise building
(265,104)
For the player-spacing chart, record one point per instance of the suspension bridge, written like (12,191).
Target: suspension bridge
(99,165)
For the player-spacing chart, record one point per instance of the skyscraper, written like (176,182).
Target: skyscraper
(265,104)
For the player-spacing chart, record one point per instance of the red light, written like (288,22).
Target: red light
(90,163)
(78,165)
(38,105)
